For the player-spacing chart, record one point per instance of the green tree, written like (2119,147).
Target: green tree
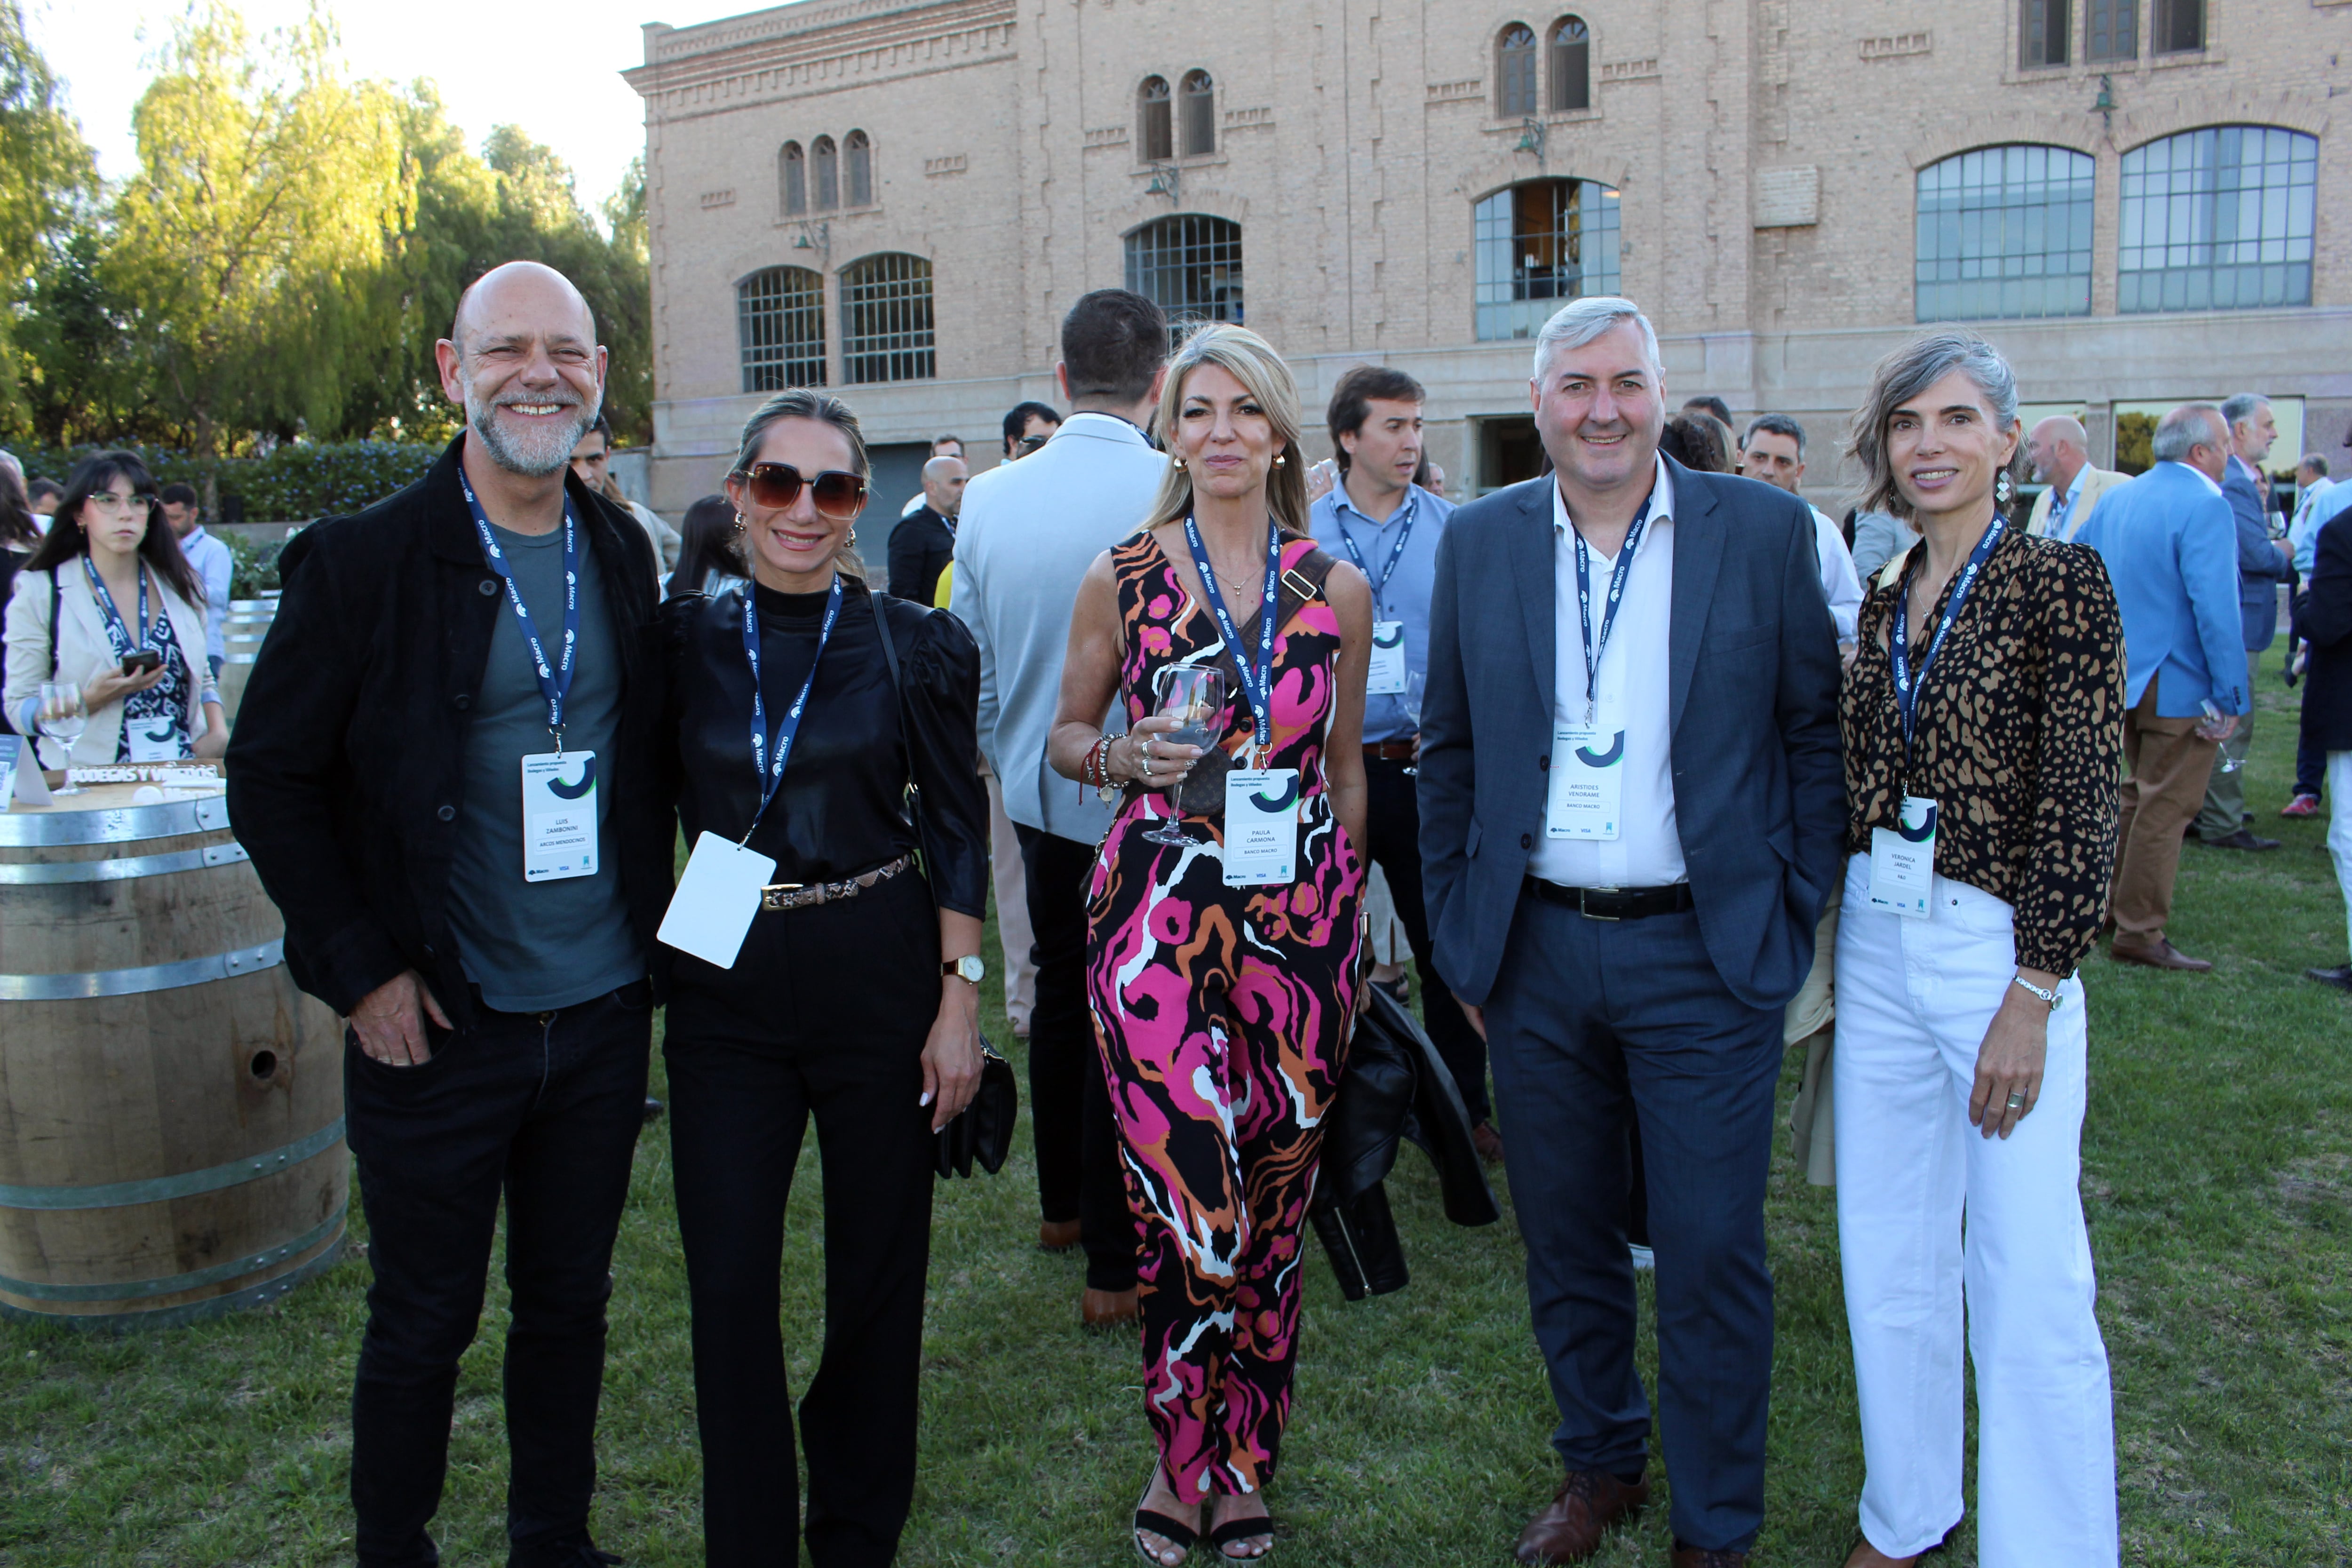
(46,179)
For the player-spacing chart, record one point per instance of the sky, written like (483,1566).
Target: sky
(574,101)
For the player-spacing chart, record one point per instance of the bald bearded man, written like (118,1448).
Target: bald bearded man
(439,773)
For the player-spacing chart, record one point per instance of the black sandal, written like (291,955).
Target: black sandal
(1235,1529)
(1160,1524)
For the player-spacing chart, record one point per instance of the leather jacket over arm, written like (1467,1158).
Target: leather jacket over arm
(842,809)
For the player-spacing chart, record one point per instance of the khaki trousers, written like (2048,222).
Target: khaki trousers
(2224,811)
(2171,763)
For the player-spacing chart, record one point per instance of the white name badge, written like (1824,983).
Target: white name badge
(1903,861)
(716,900)
(155,740)
(558,816)
(1386,676)
(1261,827)
(1588,783)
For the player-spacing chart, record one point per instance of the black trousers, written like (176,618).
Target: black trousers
(543,1109)
(1392,820)
(1078,1173)
(824,1014)
(2310,758)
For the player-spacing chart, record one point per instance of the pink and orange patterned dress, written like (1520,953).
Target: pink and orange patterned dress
(1222,1015)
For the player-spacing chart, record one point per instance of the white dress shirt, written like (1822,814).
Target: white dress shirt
(1840,586)
(216,567)
(1648,849)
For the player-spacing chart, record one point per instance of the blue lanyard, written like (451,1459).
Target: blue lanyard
(1617,577)
(1257,676)
(1381,583)
(555,681)
(1898,634)
(116,633)
(772,773)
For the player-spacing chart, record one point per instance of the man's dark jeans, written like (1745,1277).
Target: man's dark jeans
(544,1108)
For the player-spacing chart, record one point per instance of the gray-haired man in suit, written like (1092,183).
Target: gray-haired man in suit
(2262,565)
(1632,940)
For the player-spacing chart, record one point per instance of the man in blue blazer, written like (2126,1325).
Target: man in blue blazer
(2171,548)
(2262,565)
(1631,810)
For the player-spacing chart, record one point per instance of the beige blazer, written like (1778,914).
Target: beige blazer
(2096,482)
(83,652)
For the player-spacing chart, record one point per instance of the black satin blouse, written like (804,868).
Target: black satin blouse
(841,810)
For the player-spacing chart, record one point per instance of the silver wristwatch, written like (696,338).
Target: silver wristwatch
(2047,993)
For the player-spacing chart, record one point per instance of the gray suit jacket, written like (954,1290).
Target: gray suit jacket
(2262,565)
(1759,788)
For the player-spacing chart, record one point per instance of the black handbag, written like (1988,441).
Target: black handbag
(982,1131)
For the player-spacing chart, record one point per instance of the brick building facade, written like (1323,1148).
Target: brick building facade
(2137,199)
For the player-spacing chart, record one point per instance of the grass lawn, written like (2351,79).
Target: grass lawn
(2218,1180)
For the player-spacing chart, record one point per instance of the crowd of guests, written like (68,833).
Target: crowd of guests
(1629,747)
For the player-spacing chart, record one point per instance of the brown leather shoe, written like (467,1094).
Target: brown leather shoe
(2157,954)
(1586,1504)
(1058,1235)
(1099,1309)
(1699,1557)
(1488,1142)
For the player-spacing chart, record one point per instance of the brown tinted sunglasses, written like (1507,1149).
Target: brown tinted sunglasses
(776,486)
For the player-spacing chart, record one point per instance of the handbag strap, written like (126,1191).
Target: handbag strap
(906,731)
(57,599)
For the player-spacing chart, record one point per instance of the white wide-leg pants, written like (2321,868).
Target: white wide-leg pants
(1914,999)
(2339,826)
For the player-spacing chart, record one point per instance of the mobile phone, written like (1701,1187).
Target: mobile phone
(142,661)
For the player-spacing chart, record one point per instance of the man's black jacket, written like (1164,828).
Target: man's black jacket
(346,768)
(921,545)
(2327,619)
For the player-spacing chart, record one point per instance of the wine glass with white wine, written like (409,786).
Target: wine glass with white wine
(1193,695)
(62,719)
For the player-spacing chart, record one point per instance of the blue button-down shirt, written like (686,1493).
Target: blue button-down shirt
(1403,594)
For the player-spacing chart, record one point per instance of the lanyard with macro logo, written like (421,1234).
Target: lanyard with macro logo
(771,770)
(554,677)
(1898,632)
(116,633)
(1617,577)
(1387,570)
(1257,675)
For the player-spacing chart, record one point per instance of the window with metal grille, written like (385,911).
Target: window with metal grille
(828,174)
(857,152)
(2112,32)
(886,318)
(1571,65)
(2041,34)
(1539,246)
(2217,219)
(2004,232)
(792,170)
(2178,26)
(780,313)
(1155,125)
(1515,71)
(1200,114)
(1189,266)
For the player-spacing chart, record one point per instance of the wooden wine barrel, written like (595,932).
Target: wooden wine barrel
(242,632)
(171,1106)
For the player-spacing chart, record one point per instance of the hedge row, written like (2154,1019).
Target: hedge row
(293,484)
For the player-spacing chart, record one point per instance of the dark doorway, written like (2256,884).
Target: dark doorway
(897,473)
(1508,451)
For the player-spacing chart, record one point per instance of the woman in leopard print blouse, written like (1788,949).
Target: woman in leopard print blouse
(1981,832)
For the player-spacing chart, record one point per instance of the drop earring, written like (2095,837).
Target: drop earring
(853,534)
(2003,489)
(739,522)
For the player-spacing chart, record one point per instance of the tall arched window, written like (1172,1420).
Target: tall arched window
(791,174)
(1571,65)
(1155,121)
(780,314)
(858,153)
(886,318)
(1539,246)
(2004,232)
(1200,114)
(1190,265)
(2217,219)
(1514,72)
(828,174)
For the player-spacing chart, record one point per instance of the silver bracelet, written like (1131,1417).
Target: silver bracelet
(2047,993)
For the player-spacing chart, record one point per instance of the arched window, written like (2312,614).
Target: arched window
(780,311)
(1200,114)
(793,171)
(886,318)
(1156,124)
(1189,266)
(1515,71)
(1571,65)
(1539,246)
(828,174)
(858,153)
(2004,232)
(2217,219)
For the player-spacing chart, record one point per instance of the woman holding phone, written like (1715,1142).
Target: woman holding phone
(846,990)
(103,619)
(1224,948)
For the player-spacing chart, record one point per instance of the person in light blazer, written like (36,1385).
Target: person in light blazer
(108,581)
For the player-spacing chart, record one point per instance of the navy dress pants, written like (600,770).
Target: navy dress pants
(1589,1020)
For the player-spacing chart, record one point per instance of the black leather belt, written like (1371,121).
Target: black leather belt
(1389,751)
(1611,903)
